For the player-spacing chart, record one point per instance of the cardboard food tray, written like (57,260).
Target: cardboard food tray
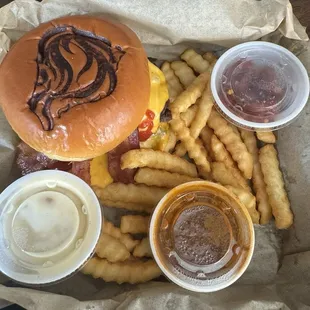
(279,274)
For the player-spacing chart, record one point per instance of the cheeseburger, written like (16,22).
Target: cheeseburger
(80,88)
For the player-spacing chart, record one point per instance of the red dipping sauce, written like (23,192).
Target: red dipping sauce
(259,86)
(253,89)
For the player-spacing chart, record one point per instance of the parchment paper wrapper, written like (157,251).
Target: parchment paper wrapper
(279,274)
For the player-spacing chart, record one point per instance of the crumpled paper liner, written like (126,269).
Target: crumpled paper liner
(272,281)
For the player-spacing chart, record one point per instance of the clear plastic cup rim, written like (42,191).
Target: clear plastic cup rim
(94,220)
(175,279)
(254,125)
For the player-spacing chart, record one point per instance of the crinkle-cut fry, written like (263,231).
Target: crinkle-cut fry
(129,271)
(127,205)
(126,239)
(220,152)
(258,179)
(206,135)
(277,195)
(205,104)
(143,249)
(134,224)
(174,85)
(212,66)
(203,149)
(204,110)
(235,129)
(112,249)
(228,176)
(180,150)
(233,143)
(222,155)
(209,57)
(157,160)
(172,140)
(139,194)
(248,200)
(195,60)
(204,174)
(183,72)
(161,178)
(190,95)
(266,136)
(194,149)
(189,115)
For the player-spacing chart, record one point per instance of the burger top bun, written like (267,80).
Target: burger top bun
(75,87)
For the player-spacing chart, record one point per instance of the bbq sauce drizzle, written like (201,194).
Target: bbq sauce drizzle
(52,66)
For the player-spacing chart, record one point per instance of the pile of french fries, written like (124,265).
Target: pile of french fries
(205,147)
(119,257)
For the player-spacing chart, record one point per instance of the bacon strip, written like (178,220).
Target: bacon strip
(114,159)
(29,160)
(82,170)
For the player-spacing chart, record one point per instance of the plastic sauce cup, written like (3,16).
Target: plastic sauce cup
(201,237)
(259,86)
(50,225)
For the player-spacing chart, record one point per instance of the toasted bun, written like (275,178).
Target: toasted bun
(75,87)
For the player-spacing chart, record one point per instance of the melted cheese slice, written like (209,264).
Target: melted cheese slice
(99,173)
(159,93)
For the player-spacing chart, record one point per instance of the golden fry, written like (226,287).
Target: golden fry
(228,176)
(206,135)
(258,179)
(131,193)
(204,174)
(277,195)
(112,249)
(172,140)
(157,160)
(183,72)
(222,155)
(248,200)
(161,178)
(204,110)
(235,129)
(126,205)
(203,149)
(220,152)
(180,151)
(190,95)
(128,271)
(195,150)
(195,61)
(189,119)
(209,57)
(134,224)
(233,143)
(143,249)
(126,239)
(212,66)
(189,115)
(266,136)
(174,85)
(205,105)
